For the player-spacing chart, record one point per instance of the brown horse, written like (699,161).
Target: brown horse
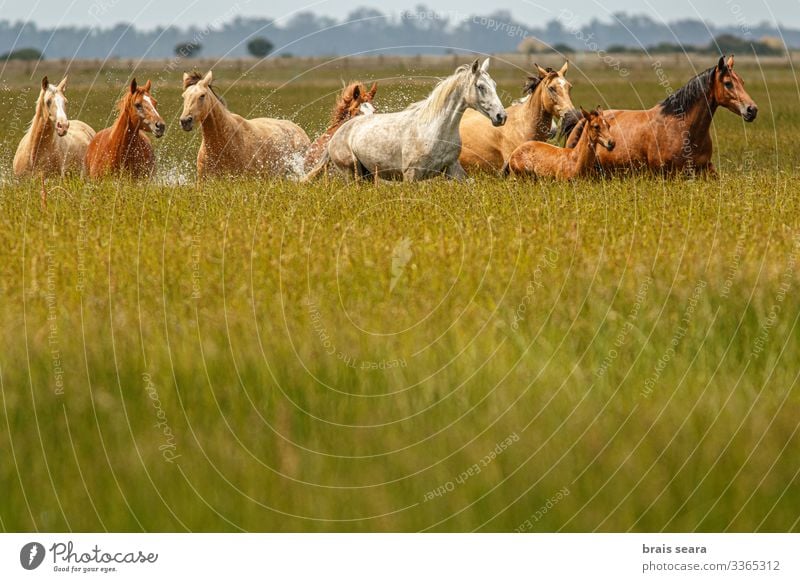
(487,147)
(354,100)
(53,145)
(539,159)
(674,136)
(233,145)
(124,148)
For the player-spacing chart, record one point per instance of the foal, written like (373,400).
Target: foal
(53,144)
(354,100)
(124,148)
(539,159)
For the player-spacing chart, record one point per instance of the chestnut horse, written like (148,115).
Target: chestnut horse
(539,159)
(354,100)
(674,136)
(53,144)
(486,147)
(124,148)
(233,145)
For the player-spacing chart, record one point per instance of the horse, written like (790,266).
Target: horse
(546,96)
(419,142)
(53,144)
(354,100)
(539,159)
(124,148)
(674,136)
(233,145)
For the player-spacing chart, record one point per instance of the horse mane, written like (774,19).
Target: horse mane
(682,100)
(533,81)
(437,99)
(568,123)
(342,106)
(194,78)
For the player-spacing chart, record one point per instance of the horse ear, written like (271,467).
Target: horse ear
(373,89)
(599,109)
(356,92)
(208,78)
(542,72)
(147,86)
(475,66)
(730,62)
(485,65)
(62,86)
(134,85)
(45,83)
(563,70)
(186,77)
(721,64)
(585,113)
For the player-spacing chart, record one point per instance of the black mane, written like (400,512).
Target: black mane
(533,81)
(682,100)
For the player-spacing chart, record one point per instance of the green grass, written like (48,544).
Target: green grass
(253,312)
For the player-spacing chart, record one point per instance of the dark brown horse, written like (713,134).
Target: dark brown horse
(674,136)
(354,100)
(123,148)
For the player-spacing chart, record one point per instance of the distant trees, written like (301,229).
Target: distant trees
(188,49)
(23,54)
(259,47)
(728,43)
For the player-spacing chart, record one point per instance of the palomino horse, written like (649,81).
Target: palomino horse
(547,96)
(674,136)
(354,100)
(124,148)
(419,142)
(539,159)
(53,144)
(233,145)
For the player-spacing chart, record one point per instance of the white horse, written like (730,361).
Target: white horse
(419,142)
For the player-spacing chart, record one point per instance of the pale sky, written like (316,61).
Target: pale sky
(151,13)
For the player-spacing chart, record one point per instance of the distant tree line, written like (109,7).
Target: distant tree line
(367,30)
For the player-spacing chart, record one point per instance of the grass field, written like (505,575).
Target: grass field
(492,355)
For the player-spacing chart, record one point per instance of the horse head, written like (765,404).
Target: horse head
(355,99)
(598,128)
(728,90)
(141,107)
(53,103)
(555,88)
(482,94)
(199,99)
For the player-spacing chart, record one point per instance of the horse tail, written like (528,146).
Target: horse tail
(321,166)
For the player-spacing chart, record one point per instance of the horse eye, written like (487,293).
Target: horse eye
(138,106)
(728,85)
(203,97)
(49,102)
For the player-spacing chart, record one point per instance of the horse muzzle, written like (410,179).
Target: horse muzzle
(750,112)
(499,119)
(610,145)
(62,127)
(187,123)
(159,128)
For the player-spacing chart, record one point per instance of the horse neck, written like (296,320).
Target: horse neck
(699,116)
(125,131)
(42,130)
(536,119)
(583,154)
(445,117)
(218,126)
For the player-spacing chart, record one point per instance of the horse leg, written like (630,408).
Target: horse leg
(455,171)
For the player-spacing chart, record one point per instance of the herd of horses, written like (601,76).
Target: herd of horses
(461,127)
